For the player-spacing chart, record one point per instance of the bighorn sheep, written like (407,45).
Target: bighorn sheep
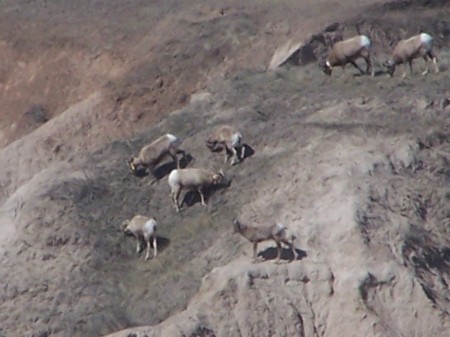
(348,51)
(256,234)
(228,139)
(143,229)
(409,49)
(193,179)
(152,154)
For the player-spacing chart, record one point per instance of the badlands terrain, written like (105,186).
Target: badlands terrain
(357,168)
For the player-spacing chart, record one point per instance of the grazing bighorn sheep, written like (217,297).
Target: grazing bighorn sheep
(348,51)
(256,234)
(193,179)
(409,49)
(152,154)
(143,229)
(228,139)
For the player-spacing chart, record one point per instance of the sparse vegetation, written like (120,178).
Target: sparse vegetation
(357,166)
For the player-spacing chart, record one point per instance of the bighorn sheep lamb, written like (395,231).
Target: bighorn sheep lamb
(143,229)
(348,51)
(256,234)
(409,49)
(152,154)
(193,179)
(228,139)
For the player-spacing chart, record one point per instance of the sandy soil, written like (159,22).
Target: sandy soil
(355,166)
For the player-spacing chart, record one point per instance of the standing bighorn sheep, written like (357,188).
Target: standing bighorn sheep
(152,154)
(348,51)
(256,234)
(228,139)
(143,229)
(409,49)
(193,179)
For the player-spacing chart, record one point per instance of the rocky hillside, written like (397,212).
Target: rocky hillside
(356,167)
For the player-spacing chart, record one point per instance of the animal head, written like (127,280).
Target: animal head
(131,165)
(236,225)
(214,145)
(326,67)
(217,178)
(124,226)
(220,178)
(389,64)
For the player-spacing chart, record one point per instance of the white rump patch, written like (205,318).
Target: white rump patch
(150,225)
(365,41)
(328,64)
(427,40)
(171,137)
(236,139)
(173,179)
(281,227)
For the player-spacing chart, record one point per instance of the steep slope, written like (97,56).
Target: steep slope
(356,167)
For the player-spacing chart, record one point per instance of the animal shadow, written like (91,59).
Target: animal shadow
(162,243)
(140,172)
(192,197)
(377,73)
(163,170)
(249,151)
(286,254)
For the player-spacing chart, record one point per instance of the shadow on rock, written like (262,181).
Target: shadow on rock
(286,254)
(248,151)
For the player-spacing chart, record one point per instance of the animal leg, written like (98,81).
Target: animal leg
(202,197)
(278,251)
(147,240)
(226,157)
(235,156)
(147,255)
(290,244)
(425,57)
(175,159)
(433,57)
(255,248)
(357,67)
(138,246)
(404,70)
(155,246)
(343,70)
(242,152)
(183,155)
(369,67)
(175,196)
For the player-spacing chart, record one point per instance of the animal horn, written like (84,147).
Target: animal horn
(131,164)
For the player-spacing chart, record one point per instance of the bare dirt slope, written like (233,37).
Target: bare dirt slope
(356,167)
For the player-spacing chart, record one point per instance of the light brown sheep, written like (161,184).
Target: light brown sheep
(228,139)
(143,228)
(193,179)
(152,154)
(259,233)
(408,50)
(348,51)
